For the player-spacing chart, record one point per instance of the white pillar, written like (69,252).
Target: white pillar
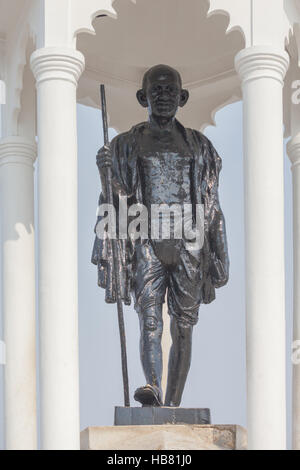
(57,71)
(17,221)
(262,70)
(294,154)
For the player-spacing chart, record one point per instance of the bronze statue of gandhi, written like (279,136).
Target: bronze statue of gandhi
(160,162)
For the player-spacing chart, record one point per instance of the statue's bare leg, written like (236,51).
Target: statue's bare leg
(179,361)
(151,326)
(150,345)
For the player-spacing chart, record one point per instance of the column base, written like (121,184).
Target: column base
(155,415)
(164,437)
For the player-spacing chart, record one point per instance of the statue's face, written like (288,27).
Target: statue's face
(162,92)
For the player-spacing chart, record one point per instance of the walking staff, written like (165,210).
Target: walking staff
(109,192)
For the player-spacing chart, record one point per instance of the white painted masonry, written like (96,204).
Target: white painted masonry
(57,71)
(16,181)
(262,70)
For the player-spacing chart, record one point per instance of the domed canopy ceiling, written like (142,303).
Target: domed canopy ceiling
(174,32)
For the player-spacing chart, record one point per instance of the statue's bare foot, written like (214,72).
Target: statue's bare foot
(148,396)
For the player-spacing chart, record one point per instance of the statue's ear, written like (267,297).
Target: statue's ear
(142,99)
(184,96)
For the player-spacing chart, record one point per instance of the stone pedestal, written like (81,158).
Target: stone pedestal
(150,415)
(164,437)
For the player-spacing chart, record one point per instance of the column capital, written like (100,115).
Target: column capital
(258,62)
(57,63)
(16,149)
(293,150)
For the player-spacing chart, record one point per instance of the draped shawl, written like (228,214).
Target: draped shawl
(206,166)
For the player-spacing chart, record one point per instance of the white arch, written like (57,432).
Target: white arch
(252,18)
(236,14)
(84,13)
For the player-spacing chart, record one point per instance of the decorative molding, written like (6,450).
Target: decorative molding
(15,70)
(55,63)
(238,13)
(85,12)
(17,150)
(246,15)
(262,62)
(15,64)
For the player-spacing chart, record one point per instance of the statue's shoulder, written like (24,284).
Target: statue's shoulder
(206,144)
(139,127)
(128,137)
(200,137)
(209,154)
(193,136)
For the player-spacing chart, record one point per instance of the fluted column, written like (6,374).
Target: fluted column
(294,154)
(262,70)
(17,156)
(57,71)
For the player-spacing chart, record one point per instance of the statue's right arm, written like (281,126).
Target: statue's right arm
(114,157)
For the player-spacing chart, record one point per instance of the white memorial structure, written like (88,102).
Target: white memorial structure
(53,54)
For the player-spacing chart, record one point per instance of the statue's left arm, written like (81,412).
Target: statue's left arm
(219,266)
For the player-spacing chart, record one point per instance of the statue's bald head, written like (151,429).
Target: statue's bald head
(160,72)
(162,91)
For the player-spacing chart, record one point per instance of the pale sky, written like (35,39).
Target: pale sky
(217,377)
